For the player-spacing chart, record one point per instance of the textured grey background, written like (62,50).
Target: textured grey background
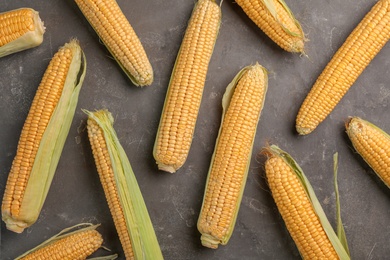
(174,200)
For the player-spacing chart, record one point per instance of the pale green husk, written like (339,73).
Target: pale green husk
(161,166)
(340,246)
(270,5)
(206,238)
(26,41)
(139,224)
(51,145)
(340,227)
(65,233)
(350,133)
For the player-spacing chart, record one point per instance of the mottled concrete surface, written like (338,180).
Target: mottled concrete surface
(174,200)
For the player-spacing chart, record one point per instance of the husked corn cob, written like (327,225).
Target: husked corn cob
(77,245)
(294,197)
(123,195)
(277,21)
(373,144)
(361,46)
(243,101)
(185,89)
(109,22)
(20,29)
(42,138)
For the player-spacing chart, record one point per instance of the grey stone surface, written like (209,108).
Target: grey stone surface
(174,200)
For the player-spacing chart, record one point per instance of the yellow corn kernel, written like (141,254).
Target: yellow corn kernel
(185,89)
(128,210)
(229,166)
(361,46)
(109,22)
(42,138)
(77,246)
(277,21)
(107,179)
(20,29)
(297,211)
(373,144)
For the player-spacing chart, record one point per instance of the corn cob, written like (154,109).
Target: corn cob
(300,208)
(186,85)
(109,22)
(20,29)
(77,244)
(373,144)
(277,21)
(129,212)
(242,102)
(362,45)
(42,138)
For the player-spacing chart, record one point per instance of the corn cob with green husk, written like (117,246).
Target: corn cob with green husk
(109,22)
(70,243)
(182,102)
(43,137)
(277,21)
(129,212)
(301,210)
(361,46)
(20,29)
(373,144)
(242,105)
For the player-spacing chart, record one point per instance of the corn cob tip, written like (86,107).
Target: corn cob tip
(304,130)
(40,26)
(209,241)
(14,225)
(166,168)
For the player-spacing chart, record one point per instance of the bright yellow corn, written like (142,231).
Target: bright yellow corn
(185,89)
(361,46)
(128,210)
(42,138)
(296,209)
(229,166)
(109,22)
(373,144)
(107,178)
(77,246)
(277,21)
(20,29)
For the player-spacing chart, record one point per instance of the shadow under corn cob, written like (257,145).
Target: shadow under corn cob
(109,22)
(183,98)
(20,29)
(242,105)
(361,46)
(127,207)
(373,144)
(277,21)
(42,138)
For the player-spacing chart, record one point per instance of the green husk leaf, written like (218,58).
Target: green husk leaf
(225,105)
(53,139)
(350,133)
(171,168)
(334,239)
(340,228)
(270,5)
(62,234)
(26,41)
(139,224)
